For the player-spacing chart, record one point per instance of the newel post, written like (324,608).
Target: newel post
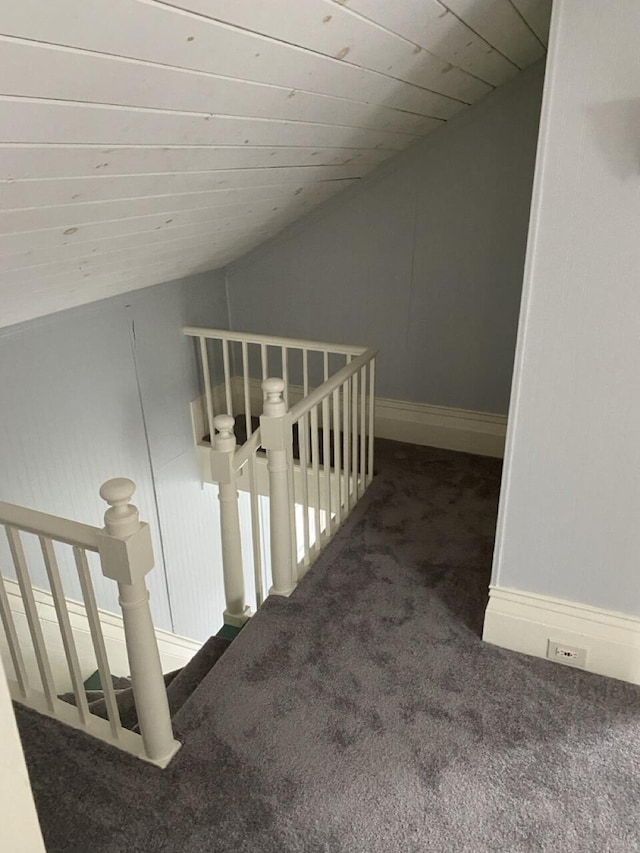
(224,448)
(126,556)
(276,436)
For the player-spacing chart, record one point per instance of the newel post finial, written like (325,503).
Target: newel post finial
(274,404)
(122,518)
(224,438)
(125,543)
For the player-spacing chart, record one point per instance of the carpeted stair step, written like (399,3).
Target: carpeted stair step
(190,676)
(180,685)
(124,699)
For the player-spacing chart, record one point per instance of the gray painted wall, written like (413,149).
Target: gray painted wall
(103,391)
(570,507)
(423,259)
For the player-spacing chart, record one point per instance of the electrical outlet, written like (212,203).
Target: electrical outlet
(566,654)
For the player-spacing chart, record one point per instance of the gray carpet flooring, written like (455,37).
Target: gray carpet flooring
(365,715)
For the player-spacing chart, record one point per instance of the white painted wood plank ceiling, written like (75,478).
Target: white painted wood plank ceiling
(142,140)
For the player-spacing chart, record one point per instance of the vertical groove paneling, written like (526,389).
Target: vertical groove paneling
(71,418)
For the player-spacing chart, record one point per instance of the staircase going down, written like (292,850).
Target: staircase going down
(180,685)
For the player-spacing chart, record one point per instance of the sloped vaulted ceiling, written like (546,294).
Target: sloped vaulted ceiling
(144,140)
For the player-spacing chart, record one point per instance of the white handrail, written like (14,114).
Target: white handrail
(40,523)
(271,340)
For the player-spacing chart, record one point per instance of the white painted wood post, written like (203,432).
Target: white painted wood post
(126,555)
(276,435)
(237,612)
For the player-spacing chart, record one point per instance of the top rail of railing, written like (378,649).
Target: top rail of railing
(41,524)
(272,340)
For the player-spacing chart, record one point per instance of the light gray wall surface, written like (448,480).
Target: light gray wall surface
(570,507)
(423,259)
(103,391)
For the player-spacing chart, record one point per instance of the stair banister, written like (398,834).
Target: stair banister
(277,437)
(333,465)
(126,556)
(225,473)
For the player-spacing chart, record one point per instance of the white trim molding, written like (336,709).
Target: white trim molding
(526,622)
(438,426)
(482,433)
(175,651)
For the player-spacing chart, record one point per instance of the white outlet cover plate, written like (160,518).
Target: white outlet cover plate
(554,653)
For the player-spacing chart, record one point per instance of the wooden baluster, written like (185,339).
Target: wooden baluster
(326,466)
(292,509)
(372,406)
(303,442)
(97,639)
(126,555)
(206,377)
(285,374)
(256,530)
(12,641)
(353,497)
(304,423)
(305,372)
(337,432)
(363,431)
(315,469)
(33,620)
(227,377)
(247,391)
(325,448)
(66,631)
(346,438)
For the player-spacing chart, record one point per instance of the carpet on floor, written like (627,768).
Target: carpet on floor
(365,715)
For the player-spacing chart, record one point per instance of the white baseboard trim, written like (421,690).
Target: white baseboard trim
(481,433)
(437,426)
(175,651)
(525,622)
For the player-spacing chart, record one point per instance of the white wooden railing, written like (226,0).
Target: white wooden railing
(126,556)
(311,456)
